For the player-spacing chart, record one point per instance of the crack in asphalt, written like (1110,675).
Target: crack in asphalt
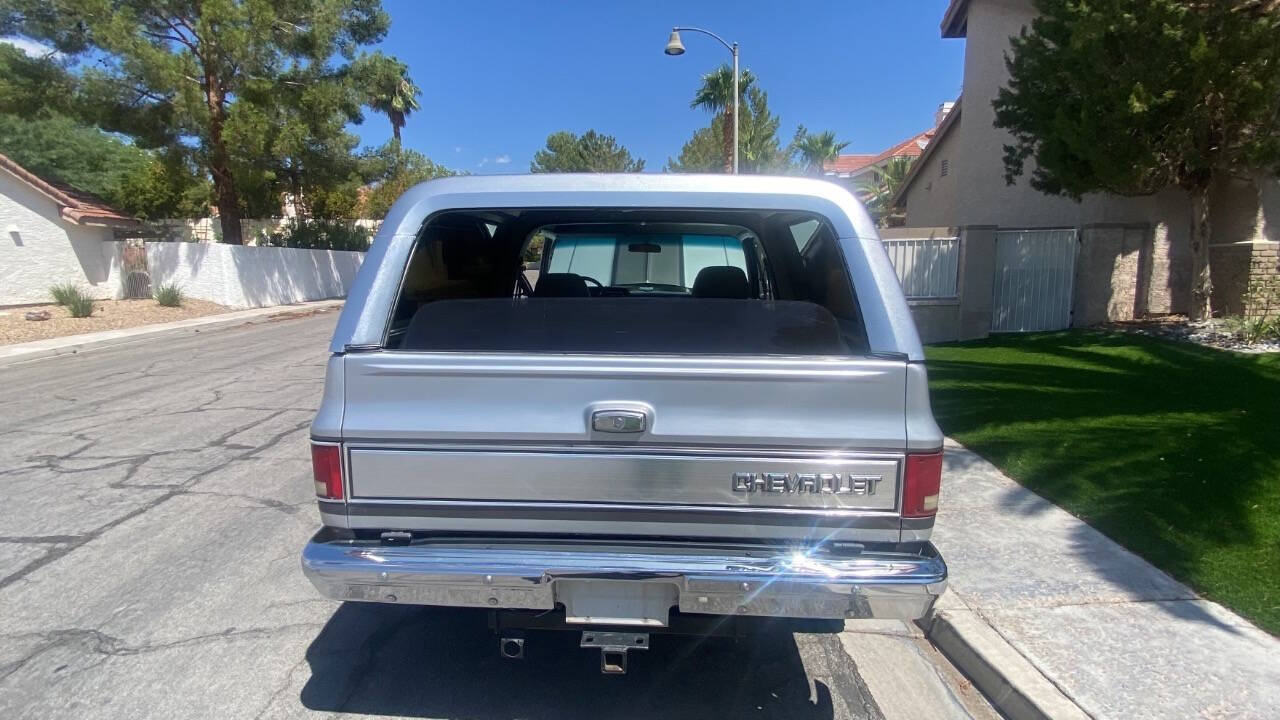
(74,429)
(87,537)
(283,688)
(96,642)
(90,414)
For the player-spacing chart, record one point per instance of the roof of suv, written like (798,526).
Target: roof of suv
(888,321)
(654,190)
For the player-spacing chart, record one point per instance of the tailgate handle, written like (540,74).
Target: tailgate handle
(618,421)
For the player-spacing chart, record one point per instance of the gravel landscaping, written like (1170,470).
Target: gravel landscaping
(107,315)
(1214,333)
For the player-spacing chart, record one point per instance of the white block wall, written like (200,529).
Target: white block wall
(248,277)
(39,248)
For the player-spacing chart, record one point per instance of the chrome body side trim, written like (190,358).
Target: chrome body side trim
(712,580)
(634,512)
(619,519)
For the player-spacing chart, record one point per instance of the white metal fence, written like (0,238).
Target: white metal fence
(1034,274)
(927,268)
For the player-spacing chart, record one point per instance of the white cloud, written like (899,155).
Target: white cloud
(457,148)
(31,47)
(483,161)
(502,159)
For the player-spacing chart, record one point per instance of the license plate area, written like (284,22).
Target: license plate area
(616,602)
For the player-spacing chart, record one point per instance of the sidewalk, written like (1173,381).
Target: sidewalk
(1043,610)
(71,344)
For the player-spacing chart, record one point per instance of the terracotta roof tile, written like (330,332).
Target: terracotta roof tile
(911,147)
(75,205)
(848,163)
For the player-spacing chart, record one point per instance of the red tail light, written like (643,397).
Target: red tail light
(923,481)
(326,467)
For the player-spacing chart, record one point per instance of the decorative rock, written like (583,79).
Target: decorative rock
(1215,333)
(38,315)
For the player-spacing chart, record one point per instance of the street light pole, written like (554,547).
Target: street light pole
(676,47)
(734,50)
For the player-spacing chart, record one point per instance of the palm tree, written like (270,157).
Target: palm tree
(816,150)
(878,192)
(393,94)
(715,95)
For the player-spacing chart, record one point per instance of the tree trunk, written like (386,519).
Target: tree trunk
(728,138)
(1201,278)
(224,184)
(395,128)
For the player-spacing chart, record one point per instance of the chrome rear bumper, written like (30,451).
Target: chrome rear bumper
(538,576)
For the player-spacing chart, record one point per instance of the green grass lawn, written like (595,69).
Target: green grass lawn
(1170,449)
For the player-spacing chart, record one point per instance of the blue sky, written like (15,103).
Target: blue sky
(498,76)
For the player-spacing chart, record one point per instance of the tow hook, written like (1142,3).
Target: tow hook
(614,647)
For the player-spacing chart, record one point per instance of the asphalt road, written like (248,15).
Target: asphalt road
(154,500)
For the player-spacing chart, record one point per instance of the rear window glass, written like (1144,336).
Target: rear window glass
(644,263)
(627,281)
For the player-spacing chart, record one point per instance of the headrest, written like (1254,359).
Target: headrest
(561,285)
(721,281)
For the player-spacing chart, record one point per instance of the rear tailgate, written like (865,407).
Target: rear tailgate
(730,447)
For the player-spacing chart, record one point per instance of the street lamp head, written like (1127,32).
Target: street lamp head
(674,46)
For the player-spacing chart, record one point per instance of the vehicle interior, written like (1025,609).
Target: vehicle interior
(627,281)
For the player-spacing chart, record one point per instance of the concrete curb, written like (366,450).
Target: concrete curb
(1008,680)
(75,344)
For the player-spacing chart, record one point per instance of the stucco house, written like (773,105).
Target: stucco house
(1131,254)
(54,233)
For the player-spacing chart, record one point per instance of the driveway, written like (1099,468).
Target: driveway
(155,497)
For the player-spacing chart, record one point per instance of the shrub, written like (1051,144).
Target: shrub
(1254,329)
(1261,320)
(169,295)
(78,303)
(61,293)
(319,235)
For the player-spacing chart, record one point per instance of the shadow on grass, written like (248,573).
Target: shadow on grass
(443,663)
(1169,449)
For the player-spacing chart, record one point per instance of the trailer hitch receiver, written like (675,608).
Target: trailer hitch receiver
(614,647)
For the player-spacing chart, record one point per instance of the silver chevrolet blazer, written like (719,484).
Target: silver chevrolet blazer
(627,404)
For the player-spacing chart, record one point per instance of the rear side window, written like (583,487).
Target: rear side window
(627,281)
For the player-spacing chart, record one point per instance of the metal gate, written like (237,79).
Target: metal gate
(136,275)
(1034,274)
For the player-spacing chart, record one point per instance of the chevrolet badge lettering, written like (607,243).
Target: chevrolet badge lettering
(780,482)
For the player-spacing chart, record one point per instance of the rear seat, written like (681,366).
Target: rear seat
(668,325)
